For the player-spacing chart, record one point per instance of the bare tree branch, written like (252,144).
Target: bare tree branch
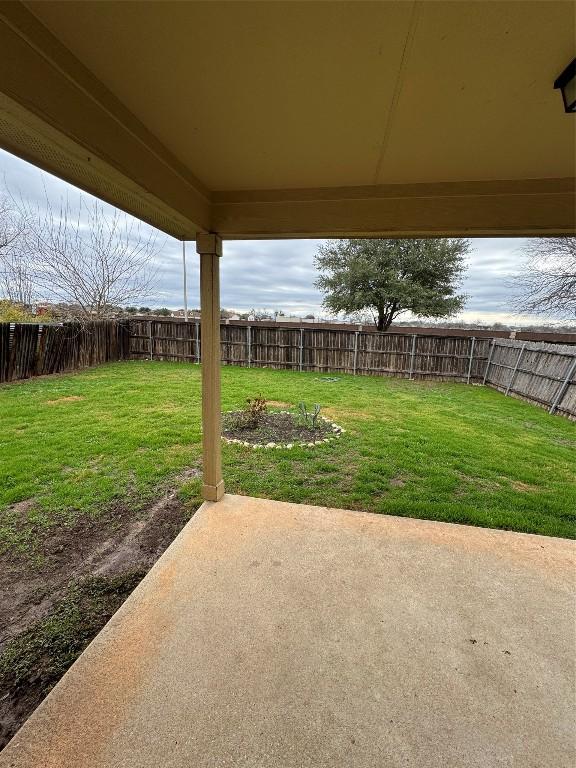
(89,258)
(547,283)
(16,282)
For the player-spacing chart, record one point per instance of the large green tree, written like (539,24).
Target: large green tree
(388,277)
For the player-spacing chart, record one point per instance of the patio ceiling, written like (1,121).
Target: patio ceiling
(256,119)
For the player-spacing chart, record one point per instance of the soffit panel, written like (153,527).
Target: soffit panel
(477,101)
(248,95)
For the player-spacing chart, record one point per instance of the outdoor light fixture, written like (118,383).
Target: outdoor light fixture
(567,84)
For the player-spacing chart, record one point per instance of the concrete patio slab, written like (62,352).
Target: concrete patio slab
(283,635)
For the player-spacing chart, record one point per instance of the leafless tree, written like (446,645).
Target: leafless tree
(16,282)
(90,258)
(547,283)
(11,224)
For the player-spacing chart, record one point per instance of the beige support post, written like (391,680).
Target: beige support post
(210,249)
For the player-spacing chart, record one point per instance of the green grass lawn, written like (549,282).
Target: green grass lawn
(74,445)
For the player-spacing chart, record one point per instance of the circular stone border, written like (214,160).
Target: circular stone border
(337,430)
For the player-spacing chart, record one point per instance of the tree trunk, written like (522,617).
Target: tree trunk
(385,318)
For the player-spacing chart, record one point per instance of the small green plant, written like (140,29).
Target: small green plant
(310,418)
(252,414)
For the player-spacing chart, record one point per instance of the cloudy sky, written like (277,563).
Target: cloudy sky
(280,274)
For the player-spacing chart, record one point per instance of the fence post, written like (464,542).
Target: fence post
(150,343)
(513,376)
(355,352)
(248,344)
(197,341)
(492,345)
(412,355)
(39,350)
(301,347)
(473,341)
(563,386)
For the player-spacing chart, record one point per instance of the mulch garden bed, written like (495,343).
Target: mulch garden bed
(277,430)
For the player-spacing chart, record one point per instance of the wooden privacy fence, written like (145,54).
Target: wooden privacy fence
(322,350)
(30,349)
(541,373)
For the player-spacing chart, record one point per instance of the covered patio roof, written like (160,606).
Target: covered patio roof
(294,119)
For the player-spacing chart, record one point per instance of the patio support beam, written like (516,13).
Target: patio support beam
(209,247)
(471,208)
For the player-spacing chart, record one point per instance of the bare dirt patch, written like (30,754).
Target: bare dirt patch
(22,507)
(518,485)
(349,413)
(278,404)
(34,662)
(482,483)
(92,566)
(69,399)
(566,442)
